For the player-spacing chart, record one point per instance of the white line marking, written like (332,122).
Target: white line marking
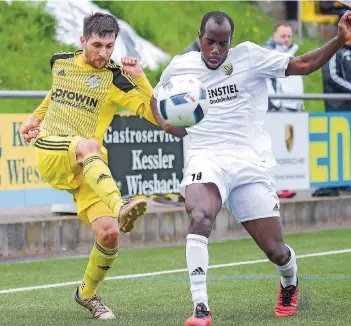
(124,277)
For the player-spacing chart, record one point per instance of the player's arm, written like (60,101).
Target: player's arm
(175,131)
(133,97)
(146,91)
(137,90)
(40,111)
(313,60)
(31,128)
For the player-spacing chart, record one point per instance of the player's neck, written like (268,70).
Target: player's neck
(83,61)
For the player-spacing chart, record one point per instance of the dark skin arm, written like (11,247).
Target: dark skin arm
(313,60)
(175,131)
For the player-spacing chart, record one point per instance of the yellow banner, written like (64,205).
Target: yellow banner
(18,168)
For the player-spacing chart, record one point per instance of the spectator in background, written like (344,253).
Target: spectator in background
(337,79)
(333,8)
(291,9)
(281,41)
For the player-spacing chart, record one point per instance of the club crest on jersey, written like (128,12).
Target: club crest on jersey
(228,69)
(93,81)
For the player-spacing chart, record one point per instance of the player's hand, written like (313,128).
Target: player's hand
(132,66)
(31,129)
(344,27)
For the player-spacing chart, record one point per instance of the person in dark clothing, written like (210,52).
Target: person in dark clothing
(337,78)
(333,8)
(291,10)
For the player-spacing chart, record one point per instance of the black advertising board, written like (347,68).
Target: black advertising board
(144,160)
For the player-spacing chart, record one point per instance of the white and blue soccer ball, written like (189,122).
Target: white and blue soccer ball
(183,101)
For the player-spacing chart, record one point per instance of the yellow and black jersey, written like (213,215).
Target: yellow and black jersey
(83,100)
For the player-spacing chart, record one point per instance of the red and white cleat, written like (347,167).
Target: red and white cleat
(287,301)
(201,317)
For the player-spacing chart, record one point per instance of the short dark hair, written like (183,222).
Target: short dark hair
(100,24)
(219,17)
(281,24)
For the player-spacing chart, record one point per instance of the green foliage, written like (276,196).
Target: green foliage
(27,43)
(27,35)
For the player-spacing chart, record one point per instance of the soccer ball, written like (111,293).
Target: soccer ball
(183,101)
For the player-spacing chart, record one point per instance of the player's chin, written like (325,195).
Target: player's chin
(99,64)
(211,64)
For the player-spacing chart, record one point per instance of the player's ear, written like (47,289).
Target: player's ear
(83,41)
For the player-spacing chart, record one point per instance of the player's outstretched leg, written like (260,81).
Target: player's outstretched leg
(99,177)
(102,256)
(268,235)
(202,202)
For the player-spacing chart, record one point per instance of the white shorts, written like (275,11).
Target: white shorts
(248,190)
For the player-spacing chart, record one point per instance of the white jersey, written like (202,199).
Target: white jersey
(238,96)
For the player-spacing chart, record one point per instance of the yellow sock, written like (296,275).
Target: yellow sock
(99,178)
(100,262)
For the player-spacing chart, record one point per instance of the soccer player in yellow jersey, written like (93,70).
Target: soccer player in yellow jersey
(69,127)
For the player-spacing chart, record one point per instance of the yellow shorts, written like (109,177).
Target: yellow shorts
(56,161)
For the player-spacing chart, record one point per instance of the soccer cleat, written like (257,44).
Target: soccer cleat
(129,212)
(287,301)
(97,308)
(201,317)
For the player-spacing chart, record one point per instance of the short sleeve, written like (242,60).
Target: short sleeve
(268,63)
(165,77)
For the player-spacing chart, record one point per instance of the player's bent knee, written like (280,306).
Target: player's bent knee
(108,237)
(277,254)
(200,223)
(87,146)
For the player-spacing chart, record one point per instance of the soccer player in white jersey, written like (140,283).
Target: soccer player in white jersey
(230,154)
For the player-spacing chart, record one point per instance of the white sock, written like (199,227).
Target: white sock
(288,271)
(197,262)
